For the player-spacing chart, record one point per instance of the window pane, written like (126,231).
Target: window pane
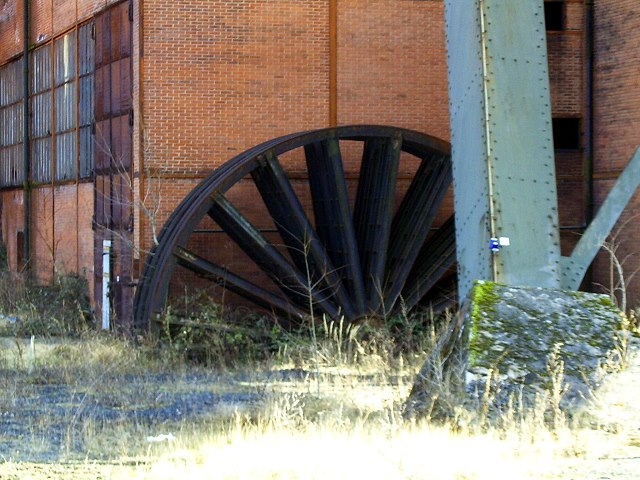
(4,167)
(66,156)
(41,114)
(11,166)
(86,46)
(86,100)
(41,69)
(10,83)
(11,125)
(65,58)
(86,152)
(41,159)
(65,107)
(566,133)
(554,15)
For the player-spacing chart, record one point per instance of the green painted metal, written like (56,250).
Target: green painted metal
(468,142)
(501,132)
(575,266)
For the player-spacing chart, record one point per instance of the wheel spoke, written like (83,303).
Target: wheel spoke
(374,209)
(412,222)
(292,283)
(234,283)
(334,223)
(296,231)
(436,256)
(332,262)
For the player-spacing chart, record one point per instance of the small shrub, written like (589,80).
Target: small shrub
(61,308)
(4,262)
(218,337)
(12,292)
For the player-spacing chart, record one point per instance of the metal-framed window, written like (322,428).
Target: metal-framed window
(41,115)
(11,118)
(65,105)
(86,120)
(62,115)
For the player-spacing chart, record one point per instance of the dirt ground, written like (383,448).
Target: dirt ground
(617,409)
(612,453)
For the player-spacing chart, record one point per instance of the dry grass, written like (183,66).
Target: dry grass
(339,416)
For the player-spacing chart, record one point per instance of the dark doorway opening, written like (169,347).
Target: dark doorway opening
(554,16)
(566,133)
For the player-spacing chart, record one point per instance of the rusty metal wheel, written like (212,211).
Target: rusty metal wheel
(373,259)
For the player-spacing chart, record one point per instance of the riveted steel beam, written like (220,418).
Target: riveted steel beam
(503,165)
(575,266)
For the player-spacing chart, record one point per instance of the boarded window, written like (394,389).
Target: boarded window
(62,114)
(114,120)
(65,93)
(41,115)
(11,118)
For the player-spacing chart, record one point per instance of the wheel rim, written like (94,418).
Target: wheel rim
(372,259)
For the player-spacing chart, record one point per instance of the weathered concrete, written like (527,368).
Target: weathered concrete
(508,334)
(515,329)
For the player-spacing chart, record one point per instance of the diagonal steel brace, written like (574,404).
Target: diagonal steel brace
(575,266)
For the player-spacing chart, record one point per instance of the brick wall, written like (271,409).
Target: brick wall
(11,41)
(220,76)
(48,18)
(392,64)
(62,237)
(566,72)
(214,77)
(617,120)
(43,247)
(65,234)
(12,222)
(574,15)
(84,215)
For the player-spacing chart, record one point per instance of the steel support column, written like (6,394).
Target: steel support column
(503,163)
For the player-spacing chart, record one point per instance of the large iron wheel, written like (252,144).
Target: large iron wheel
(382,255)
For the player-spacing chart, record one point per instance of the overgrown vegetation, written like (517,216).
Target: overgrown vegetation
(203,331)
(219,381)
(61,308)
(103,398)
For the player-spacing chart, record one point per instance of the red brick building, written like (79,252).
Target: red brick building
(135,101)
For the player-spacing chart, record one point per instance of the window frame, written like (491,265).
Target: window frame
(62,125)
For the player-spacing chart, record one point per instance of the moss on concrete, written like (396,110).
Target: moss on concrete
(514,330)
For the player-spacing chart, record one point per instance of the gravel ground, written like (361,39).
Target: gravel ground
(48,429)
(617,411)
(47,422)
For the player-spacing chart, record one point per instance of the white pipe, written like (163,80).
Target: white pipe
(106,276)
(32,354)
